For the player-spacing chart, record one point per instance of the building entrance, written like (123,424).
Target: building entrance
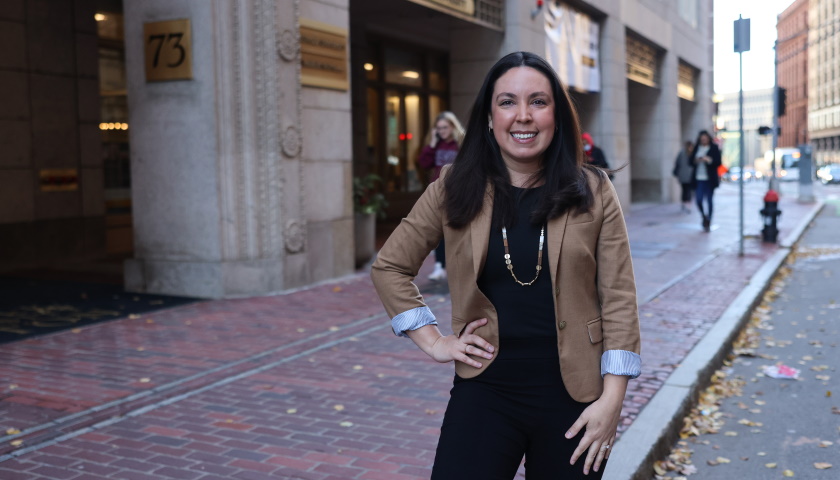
(406,88)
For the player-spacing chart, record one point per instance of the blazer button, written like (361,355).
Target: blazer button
(561,325)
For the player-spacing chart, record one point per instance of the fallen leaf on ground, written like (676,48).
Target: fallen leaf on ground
(770,465)
(357,367)
(822,465)
(16,443)
(12,431)
(291,410)
(346,424)
(761,454)
(338,408)
(659,468)
(825,443)
(336,289)
(788,473)
(731,434)
(145,380)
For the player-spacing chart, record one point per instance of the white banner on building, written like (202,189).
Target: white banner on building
(571,47)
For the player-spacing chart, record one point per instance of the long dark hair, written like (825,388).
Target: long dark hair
(479,160)
(712,145)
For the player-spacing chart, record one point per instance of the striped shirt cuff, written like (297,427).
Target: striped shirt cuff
(412,320)
(621,362)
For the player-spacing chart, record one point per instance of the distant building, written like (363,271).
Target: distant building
(758,112)
(792,72)
(823,80)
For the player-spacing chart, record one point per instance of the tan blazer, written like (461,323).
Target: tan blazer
(591,271)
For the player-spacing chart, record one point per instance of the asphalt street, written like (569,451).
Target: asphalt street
(764,427)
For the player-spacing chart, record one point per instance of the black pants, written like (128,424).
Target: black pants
(440,254)
(686,192)
(517,407)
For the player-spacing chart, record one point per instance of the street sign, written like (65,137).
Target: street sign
(742,35)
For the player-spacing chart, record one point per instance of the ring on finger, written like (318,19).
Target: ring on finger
(605,447)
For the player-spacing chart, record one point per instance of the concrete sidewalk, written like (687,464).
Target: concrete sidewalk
(312,384)
(768,426)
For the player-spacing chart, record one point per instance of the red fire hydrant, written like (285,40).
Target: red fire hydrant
(770,213)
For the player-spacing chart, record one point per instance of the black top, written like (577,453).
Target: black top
(523,311)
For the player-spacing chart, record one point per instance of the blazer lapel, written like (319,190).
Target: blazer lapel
(480,231)
(556,230)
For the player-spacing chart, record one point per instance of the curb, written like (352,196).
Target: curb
(652,434)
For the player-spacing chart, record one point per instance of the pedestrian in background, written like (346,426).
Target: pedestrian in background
(683,170)
(705,161)
(594,154)
(442,147)
(542,359)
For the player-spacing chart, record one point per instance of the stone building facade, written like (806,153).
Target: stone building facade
(219,154)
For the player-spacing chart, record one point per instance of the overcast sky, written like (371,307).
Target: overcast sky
(758,62)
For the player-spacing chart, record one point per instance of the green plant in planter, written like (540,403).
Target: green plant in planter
(366,196)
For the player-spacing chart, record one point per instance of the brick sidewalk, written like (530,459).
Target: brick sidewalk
(312,384)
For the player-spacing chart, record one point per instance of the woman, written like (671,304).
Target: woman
(438,153)
(542,354)
(705,161)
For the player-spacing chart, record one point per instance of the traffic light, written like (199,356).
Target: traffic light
(781,99)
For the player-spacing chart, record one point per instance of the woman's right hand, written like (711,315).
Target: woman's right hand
(452,347)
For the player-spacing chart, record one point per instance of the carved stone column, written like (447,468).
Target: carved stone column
(216,159)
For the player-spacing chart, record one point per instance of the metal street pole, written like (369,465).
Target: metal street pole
(741,153)
(772,185)
(742,44)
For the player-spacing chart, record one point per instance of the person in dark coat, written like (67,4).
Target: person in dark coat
(705,161)
(683,171)
(594,154)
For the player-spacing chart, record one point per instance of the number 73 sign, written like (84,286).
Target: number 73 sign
(168,50)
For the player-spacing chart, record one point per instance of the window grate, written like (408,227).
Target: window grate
(490,11)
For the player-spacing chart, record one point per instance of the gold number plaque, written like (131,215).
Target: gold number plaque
(168,50)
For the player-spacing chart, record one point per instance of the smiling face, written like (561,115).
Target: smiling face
(522,117)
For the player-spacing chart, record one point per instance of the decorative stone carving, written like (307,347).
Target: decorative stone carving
(287,45)
(295,236)
(291,142)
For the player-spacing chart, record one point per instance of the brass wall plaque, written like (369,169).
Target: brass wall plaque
(168,49)
(323,55)
(463,6)
(58,179)
(642,62)
(686,81)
